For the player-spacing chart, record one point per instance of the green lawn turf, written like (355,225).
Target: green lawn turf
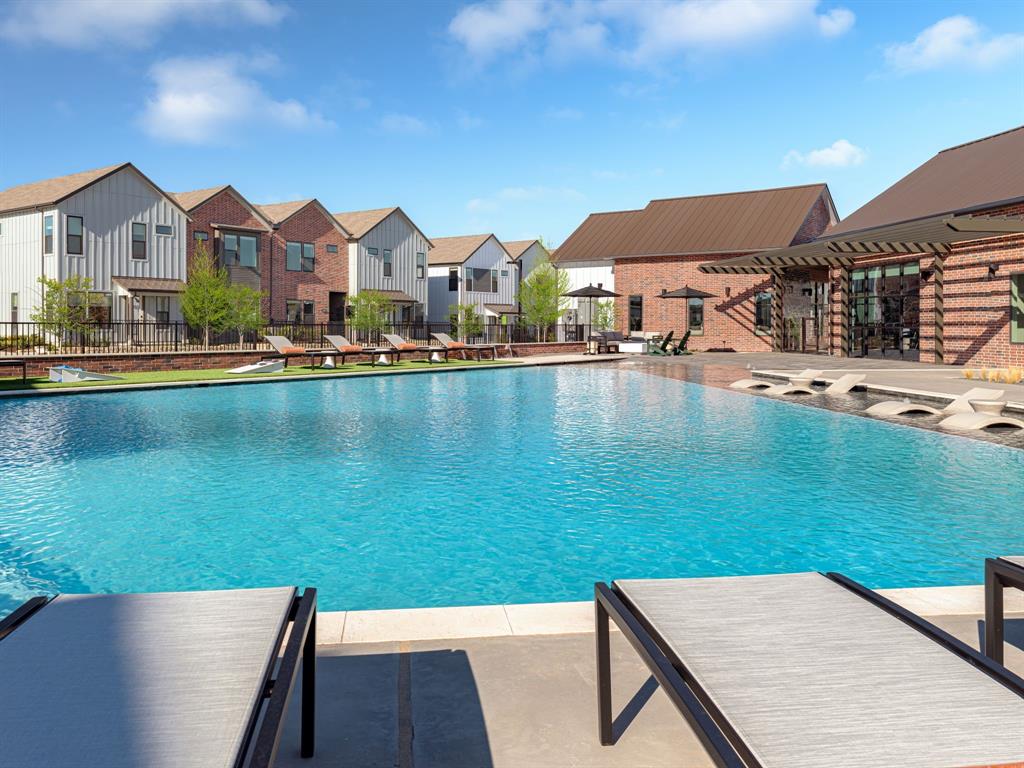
(209,374)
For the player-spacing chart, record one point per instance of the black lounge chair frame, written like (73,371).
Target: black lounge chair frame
(718,737)
(999,574)
(9,363)
(277,689)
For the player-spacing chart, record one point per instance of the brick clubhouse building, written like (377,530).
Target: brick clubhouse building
(932,269)
(645,255)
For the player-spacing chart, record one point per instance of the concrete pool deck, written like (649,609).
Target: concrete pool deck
(525,697)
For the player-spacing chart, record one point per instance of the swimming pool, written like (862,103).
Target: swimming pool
(482,487)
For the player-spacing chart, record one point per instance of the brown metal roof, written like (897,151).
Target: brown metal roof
(722,223)
(150,284)
(455,250)
(970,176)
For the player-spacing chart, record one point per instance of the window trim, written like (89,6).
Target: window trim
(453,277)
(763,330)
(144,241)
(237,262)
(629,313)
(81,236)
(48,245)
(388,262)
(303,258)
(699,329)
(421,265)
(1018,278)
(168,227)
(199,236)
(330,248)
(15,306)
(302,315)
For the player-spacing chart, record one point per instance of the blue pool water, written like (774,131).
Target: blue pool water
(483,487)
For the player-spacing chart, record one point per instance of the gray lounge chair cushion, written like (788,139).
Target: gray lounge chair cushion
(813,676)
(142,681)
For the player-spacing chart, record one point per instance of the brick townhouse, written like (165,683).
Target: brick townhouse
(647,253)
(932,269)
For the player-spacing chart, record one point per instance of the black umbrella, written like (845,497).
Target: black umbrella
(590,293)
(686,292)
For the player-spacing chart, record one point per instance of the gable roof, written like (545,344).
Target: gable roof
(729,222)
(279,213)
(359,223)
(192,200)
(976,175)
(517,248)
(456,250)
(38,194)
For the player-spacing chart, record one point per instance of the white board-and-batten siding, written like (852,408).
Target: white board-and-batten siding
(490,255)
(366,271)
(21,263)
(585,273)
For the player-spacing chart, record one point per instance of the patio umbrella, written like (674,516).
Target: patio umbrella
(686,292)
(590,293)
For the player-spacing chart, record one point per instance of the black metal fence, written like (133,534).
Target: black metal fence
(116,337)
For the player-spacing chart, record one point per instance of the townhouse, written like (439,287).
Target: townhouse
(387,253)
(526,254)
(647,255)
(932,269)
(232,230)
(112,225)
(473,270)
(306,268)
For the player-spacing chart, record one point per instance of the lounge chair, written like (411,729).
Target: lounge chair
(680,347)
(284,349)
(451,345)
(1000,572)
(609,341)
(961,404)
(840,386)
(809,374)
(811,670)
(343,347)
(661,349)
(400,345)
(156,680)
(976,421)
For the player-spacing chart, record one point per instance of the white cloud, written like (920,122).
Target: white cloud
(95,23)
(636,33)
(397,122)
(955,41)
(564,114)
(204,100)
(836,22)
(841,154)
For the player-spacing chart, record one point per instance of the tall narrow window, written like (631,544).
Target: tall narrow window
(162,309)
(73,244)
(1017,308)
(138,240)
(387,263)
(763,313)
(468,281)
(14,307)
(696,316)
(308,257)
(421,266)
(48,234)
(494,281)
(248,245)
(636,313)
(453,279)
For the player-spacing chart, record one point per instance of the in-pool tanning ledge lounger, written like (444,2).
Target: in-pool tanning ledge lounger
(809,670)
(805,378)
(161,680)
(960,404)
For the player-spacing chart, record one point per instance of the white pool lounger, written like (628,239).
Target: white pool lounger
(961,404)
(975,421)
(840,386)
(811,670)
(159,680)
(807,373)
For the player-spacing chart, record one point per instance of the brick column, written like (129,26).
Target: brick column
(839,311)
(932,310)
(778,312)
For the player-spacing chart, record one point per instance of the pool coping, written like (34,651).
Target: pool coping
(567,618)
(523,362)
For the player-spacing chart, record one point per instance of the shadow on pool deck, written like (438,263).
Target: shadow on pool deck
(508,702)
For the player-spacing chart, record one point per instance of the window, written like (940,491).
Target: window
(421,265)
(99,307)
(1017,308)
(300,257)
(14,307)
(494,281)
(48,234)
(636,313)
(299,311)
(332,249)
(240,250)
(504,273)
(763,313)
(158,308)
(73,244)
(387,263)
(695,316)
(372,251)
(453,279)
(482,280)
(163,229)
(138,240)
(201,236)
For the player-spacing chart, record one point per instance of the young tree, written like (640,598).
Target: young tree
(205,302)
(64,308)
(465,320)
(244,310)
(604,315)
(541,297)
(370,312)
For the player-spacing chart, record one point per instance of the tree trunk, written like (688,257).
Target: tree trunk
(206,337)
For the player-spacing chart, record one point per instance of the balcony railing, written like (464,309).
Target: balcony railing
(117,337)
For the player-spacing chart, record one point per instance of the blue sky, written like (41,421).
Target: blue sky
(513,117)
